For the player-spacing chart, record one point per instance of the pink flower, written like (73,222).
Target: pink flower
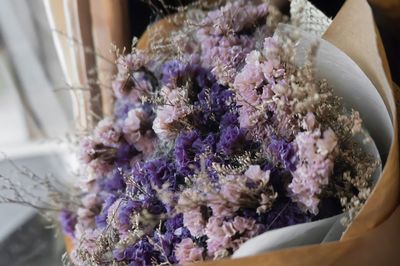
(86,150)
(221,209)
(187,252)
(222,235)
(132,62)
(193,220)
(107,133)
(316,153)
(91,201)
(225,201)
(87,242)
(255,173)
(112,217)
(132,126)
(231,191)
(218,241)
(258,82)
(146,145)
(271,50)
(130,80)
(309,121)
(162,123)
(95,169)
(174,110)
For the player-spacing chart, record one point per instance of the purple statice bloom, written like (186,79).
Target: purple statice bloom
(139,254)
(153,204)
(184,150)
(122,108)
(114,183)
(174,233)
(207,143)
(214,102)
(68,221)
(173,72)
(284,152)
(188,148)
(231,139)
(101,218)
(283,213)
(126,210)
(125,153)
(229,119)
(160,171)
(203,77)
(174,223)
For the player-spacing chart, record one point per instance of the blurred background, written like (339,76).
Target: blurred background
(55,76)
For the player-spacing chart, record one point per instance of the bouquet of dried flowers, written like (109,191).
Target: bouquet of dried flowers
(217,136)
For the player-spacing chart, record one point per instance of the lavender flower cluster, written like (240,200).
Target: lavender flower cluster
(210,148)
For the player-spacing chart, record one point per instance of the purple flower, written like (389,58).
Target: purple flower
(125,153)
(173,73)
(184,151)
(174,233)
(139,254)
(229,119)
(68,221)
(284,152)
(153,205)
(283,213)
(101,218)
(159,171)
(214,103)
(122,108)
(125,211)
(174,223)
(232,138)
(114,183)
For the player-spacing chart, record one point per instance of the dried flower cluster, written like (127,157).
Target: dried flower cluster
(222,140)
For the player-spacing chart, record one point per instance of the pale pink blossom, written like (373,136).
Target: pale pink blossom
(88,241)
(222,234)
(95,169)
(255,173)
(85,217)
(86,150)
(91,201)
(188,252)
(316,153)
(193,220)
(174,110)
(130,80)
(107,133)
(146,145)
(132,124)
